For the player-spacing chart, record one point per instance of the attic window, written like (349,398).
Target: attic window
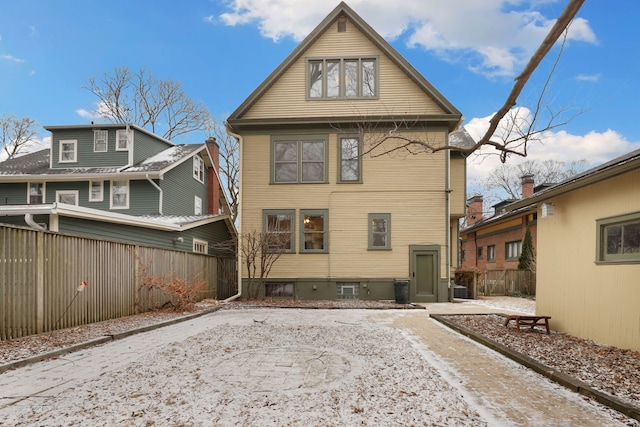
(342,25)
(350,77)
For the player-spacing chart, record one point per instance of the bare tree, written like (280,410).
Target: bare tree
(229,164)
(16,134)
(506,179)
(260,250)
(515,130)
(141,99)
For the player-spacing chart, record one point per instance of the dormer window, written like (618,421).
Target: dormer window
(100,140)
(123,139)
(342,78)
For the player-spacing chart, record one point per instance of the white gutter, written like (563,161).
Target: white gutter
(159,191)
(238,217)
(28,218)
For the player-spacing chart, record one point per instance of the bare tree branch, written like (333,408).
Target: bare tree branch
(126,97)
(510,129)
(16,134)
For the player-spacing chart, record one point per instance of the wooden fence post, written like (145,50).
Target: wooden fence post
(39,281)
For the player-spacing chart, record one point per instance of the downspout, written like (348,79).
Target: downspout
(448,220)
(28,218)
(239,213)
(159,191)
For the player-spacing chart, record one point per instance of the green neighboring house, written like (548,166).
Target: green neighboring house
(119,182)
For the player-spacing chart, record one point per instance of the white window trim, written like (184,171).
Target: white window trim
(44,191)
(197,205)
(111,206)
(106,140)
(198,166)
(129,139)
(200,243)
(75,193)
(75,150)
(101,197)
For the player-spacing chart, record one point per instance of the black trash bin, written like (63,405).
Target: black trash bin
(402,291)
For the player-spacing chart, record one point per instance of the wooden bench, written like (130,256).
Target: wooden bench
(531,321)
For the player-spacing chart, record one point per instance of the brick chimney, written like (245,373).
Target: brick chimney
(527,185)
(474,210)
(213,201)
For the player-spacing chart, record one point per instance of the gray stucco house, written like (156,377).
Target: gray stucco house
(119,182)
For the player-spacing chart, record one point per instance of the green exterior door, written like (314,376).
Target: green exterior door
(424,265)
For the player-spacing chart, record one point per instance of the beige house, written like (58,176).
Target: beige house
(314,169)
(588,255)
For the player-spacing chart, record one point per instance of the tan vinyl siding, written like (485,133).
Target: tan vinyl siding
(458,185)
(398,95)
(410,188)
(598,302)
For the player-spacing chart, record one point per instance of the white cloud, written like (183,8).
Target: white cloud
(595,148)
(493,37)
(588,77)
(11,58)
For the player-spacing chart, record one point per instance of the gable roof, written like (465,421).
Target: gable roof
(36,165)
(343,10)
(617,166)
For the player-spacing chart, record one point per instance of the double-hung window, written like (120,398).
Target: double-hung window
(491,253)
(36,193)
(314,231)
(96,191)
(342,78)
(279,228)
(197,205)
(119,195)
(513,250)
(350,160)
(100,140)
(618,239)
(198,168)
(68,151)
(379,231)
(299,160)
(123,139)
(69,197)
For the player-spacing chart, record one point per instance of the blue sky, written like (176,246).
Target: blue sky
(220,50)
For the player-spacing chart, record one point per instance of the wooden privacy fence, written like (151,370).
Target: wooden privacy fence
(498,282)
(41,273)
(506,282)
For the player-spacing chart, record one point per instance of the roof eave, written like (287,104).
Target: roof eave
(576,183)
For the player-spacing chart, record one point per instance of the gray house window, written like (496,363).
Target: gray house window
(314,231)
(350,160)
(123,139)
(100,140)
(280,226)
(198,168)
(380,231)
(70,197)
(119,195)
(299,160)
(619,239)
(68,151)
(36,193)
(342,78)
(96,191)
